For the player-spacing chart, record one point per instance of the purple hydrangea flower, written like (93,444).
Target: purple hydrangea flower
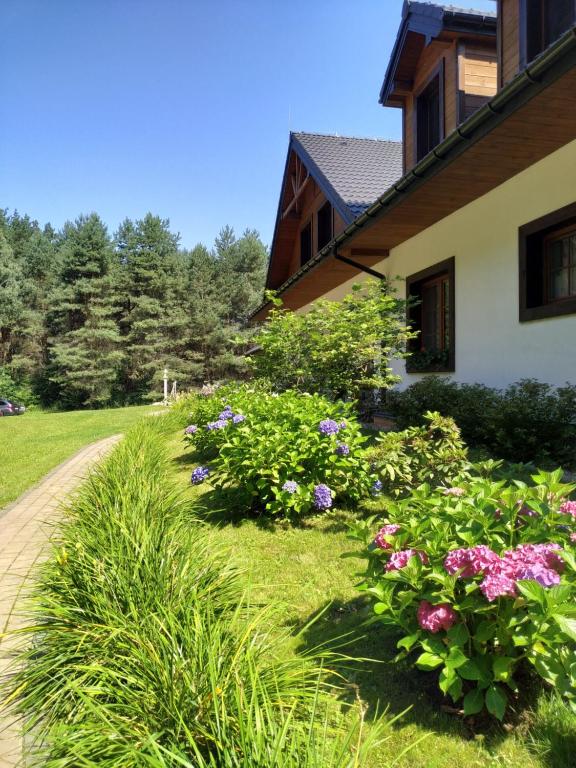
(322,497)
(342,449)
(225,415)
(199,475)
(220,424)
(291,486)
(191,429)
(238,418)
(377,487)
(329,427)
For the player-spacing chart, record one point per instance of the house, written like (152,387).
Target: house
(481,224)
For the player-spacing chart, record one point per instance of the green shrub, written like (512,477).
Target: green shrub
(527,422)
(481,579)
(290,454)
(433,453)
(144,651)
(337,348)
(14,390)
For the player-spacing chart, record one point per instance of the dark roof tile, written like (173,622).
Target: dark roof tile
(357,170)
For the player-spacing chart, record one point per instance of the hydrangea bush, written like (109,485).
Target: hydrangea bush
(287,453)
(481,579)
(432,453)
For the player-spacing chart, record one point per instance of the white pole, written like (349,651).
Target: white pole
(165,386)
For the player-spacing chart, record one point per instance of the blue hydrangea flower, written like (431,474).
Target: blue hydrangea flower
(377,487)
(342,425)
(291,486)
(342,449)
(322,497)
(220,424)
(199,475)
(328,427)
(238,418)
(191,429)
(225,415)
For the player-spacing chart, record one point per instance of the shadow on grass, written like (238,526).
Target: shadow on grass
(369,673)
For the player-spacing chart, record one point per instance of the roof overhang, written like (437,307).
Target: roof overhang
(422,23)
(533,116)
(287,226)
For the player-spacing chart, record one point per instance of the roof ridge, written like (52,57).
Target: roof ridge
(341,136)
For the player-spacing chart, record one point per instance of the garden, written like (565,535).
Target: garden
(257,579)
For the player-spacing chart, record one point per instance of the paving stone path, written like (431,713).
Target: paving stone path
(25,529)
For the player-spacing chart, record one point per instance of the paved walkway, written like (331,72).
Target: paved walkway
(23,542)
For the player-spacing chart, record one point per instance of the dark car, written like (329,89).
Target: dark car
(10,408)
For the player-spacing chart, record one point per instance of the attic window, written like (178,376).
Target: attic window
(324,220)
(306,244)
(429,109)
(548,266)
(543,22)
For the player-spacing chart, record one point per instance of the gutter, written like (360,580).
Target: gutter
(544,70)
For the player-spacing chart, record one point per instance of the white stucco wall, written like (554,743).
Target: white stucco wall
(492,346)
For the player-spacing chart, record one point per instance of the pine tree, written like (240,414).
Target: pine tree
(154,321)
(84,350)
(11,299)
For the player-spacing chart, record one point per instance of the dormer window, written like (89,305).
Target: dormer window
(324,222)
(429,116)
(544,21)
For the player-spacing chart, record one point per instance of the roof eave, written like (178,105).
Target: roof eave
(549,66)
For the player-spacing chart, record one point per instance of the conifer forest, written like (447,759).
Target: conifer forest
(91,319)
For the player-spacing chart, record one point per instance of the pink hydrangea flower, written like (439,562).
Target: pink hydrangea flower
(471,561)
(433,618)
(387,530)
(568,508)
(573,537)
(400,559)
(454,491)
(536,562)
(496,585)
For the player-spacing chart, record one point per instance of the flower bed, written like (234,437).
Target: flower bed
(481,578)
(285,453)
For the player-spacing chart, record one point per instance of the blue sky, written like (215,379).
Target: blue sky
(180,107)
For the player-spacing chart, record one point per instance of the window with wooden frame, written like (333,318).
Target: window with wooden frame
(542,23)
(429,114)
(306,244)
(547,265)
(431,314)
(324,225)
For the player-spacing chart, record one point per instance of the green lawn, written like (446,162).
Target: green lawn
(299,570)
(36,442)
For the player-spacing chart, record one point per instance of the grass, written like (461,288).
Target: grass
(33,444)
(145,651)
(298,569)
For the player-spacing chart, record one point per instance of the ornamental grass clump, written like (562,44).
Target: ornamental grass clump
(480,577)
(287,453)
(143,650)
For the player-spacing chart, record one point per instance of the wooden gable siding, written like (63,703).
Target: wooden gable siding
(312,200)
(431,57)
(509,40)
(477,77)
